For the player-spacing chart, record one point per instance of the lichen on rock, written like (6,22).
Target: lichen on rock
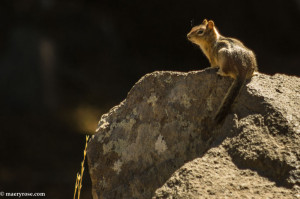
(153,143)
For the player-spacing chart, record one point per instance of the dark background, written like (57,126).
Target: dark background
(64,63)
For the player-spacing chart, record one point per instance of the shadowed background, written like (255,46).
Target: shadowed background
(64,63)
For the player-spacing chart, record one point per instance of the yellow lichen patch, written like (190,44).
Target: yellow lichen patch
(152,99)
(160,144)
(117,166)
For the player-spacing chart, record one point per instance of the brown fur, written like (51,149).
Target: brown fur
(228,54)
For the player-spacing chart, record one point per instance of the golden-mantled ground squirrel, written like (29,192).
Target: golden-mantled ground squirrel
(231,57)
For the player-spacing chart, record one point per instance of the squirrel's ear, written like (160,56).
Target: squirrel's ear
(204,21)
(210,24)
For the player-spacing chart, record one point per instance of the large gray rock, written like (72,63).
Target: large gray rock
(154,144)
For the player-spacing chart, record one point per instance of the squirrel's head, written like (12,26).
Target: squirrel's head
(205,32)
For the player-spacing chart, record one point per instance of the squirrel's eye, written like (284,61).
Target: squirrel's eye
(200,32)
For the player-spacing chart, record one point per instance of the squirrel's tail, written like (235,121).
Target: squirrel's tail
(229,98)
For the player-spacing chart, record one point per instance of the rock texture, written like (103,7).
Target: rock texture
(152,145)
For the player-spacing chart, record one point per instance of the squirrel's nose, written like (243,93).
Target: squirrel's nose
(188,35)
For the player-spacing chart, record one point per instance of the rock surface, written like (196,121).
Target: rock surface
(152,145)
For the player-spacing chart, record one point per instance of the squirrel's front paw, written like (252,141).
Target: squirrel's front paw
(221,73)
